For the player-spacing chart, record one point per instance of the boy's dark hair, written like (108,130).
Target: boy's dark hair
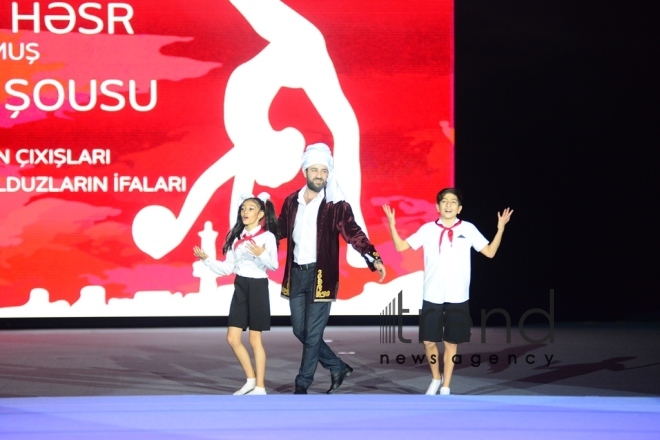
(454,191)
(268,222)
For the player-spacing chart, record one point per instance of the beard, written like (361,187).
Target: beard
(314,186)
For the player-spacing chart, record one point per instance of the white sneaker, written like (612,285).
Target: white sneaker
(257,391)
(435,385)
(249,386)
(444,391)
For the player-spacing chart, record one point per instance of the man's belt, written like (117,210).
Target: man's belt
(304,266)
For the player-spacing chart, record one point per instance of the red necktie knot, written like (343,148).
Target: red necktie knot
(247,237)
(448,230)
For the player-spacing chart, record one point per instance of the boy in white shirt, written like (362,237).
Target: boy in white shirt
(445,312)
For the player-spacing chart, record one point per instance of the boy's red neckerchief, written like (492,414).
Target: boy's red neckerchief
(448,230)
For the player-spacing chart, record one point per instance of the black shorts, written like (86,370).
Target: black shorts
(448,322)
(250,306)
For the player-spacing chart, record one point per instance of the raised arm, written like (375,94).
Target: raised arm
(502,219)
(399,244)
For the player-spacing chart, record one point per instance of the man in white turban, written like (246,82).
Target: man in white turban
(312,219)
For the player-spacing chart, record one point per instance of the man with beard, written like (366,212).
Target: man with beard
(312,219)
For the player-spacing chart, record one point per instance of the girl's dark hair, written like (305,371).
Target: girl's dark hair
(454,191)
(268,222)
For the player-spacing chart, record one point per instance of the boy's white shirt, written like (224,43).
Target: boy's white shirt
(447,269)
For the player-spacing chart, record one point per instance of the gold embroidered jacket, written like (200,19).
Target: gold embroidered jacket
(334,219)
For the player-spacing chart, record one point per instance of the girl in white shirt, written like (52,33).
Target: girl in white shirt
(251,249)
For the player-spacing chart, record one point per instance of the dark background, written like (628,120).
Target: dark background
(556,115)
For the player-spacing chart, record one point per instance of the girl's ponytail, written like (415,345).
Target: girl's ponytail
(270,220)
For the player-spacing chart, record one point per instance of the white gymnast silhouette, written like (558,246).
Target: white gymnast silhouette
(296,57)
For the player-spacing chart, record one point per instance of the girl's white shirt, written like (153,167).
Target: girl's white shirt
(241,262)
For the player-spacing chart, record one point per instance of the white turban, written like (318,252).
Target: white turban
(317,154)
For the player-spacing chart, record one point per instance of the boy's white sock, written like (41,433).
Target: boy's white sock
(444,391)
(433,388)
(249,386)
(257,391)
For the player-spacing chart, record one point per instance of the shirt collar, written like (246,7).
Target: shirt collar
(252,232)
(301,196)
(439,222)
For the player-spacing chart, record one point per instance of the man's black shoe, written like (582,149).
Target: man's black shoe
(339,378)
(299,390)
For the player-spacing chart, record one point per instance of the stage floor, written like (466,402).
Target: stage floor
(330,417)
(585,360)
(176,383)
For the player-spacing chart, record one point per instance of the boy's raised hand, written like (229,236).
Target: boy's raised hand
(389,212)
(503,219)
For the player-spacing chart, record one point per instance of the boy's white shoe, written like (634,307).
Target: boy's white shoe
(435,385)
(444,391)
(249,386)
(257,391)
